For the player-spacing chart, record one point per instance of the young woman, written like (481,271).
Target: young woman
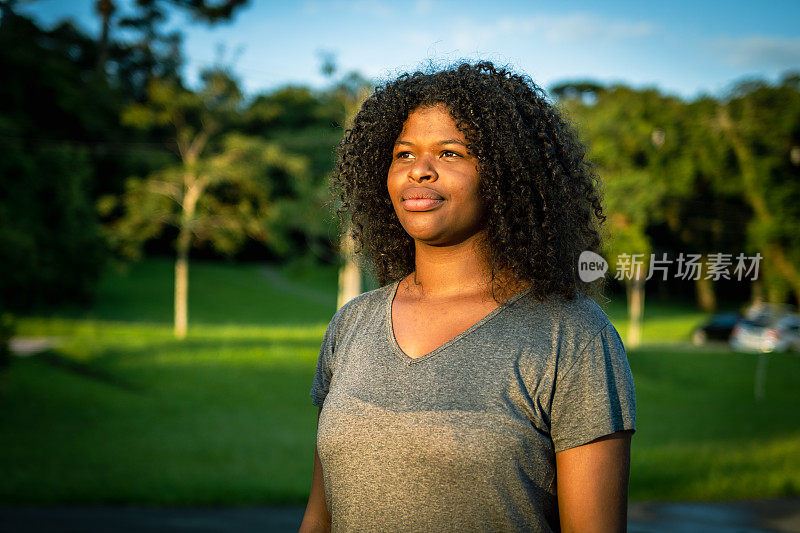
(480,388)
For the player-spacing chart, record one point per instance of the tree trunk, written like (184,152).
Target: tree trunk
(706,299)
(182,285)
(776,293)
(194,189)
(349,273)
(635,291)
(105,8)
(787,269)
(757,292)
(704,290)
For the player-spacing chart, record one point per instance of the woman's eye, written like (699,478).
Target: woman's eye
(403,155)
(449,153)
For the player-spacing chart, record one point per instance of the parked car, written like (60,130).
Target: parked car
(767,332)
(717,328)
(789,326)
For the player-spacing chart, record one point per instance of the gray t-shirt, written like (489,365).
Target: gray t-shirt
(464,438)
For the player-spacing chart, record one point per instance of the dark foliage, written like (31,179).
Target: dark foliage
(51,107)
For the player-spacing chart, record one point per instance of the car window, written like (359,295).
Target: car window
(789,321)
(724,319)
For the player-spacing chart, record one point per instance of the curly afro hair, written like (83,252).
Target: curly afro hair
(541,194)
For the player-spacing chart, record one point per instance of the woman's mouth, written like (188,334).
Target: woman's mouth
(421,199)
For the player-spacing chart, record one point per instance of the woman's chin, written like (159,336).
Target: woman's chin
(438,239)
(430,238)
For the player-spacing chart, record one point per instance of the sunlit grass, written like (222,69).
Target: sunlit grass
(701,433)
(217,419)
(122,412)
(665,322)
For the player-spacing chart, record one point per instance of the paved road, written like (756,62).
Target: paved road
(758,516)
(754,516)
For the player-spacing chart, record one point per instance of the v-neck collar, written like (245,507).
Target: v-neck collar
(392,292)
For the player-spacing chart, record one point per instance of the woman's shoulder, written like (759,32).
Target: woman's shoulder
(367,303)
(584,310)
(580,310)
(573,320)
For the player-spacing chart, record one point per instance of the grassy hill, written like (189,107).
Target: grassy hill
(121,412)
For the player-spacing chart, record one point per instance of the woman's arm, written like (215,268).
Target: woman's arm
(316,518)
(592,485)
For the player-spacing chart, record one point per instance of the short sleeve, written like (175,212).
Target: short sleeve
(324,372)
(594,396)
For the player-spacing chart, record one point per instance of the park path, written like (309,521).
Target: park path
(747,516)
(25,346)
(753,516)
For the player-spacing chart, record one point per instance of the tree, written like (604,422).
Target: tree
(663,164)
(218,191)
(153,53)
(624,129)
(708,215)
(350,271)
(50,109)
(761,124)
(351,90)
(104,9)
(308,123)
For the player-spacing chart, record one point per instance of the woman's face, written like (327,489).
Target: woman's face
(433,180)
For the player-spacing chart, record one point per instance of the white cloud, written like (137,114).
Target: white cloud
(551,29)
(760,51)
(423,7)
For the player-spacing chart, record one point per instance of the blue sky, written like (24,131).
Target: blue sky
(682,47)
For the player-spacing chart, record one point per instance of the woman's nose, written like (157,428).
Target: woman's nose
(423,170)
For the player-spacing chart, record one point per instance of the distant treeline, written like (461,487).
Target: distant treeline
(91,129)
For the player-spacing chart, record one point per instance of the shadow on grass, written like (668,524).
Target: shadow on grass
(87,371)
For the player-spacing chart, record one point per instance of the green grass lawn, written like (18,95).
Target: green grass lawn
(121,412)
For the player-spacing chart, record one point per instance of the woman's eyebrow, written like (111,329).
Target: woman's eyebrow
(440,143)
(453,141)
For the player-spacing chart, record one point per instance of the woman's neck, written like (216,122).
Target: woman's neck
(444,272)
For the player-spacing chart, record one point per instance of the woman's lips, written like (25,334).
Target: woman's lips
(421,199)
(421,204)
